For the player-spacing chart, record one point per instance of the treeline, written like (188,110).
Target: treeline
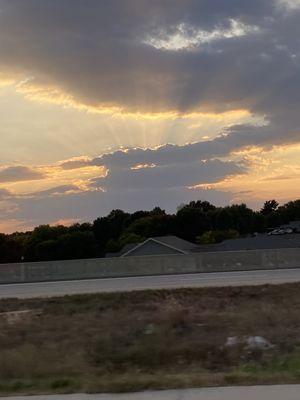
(198,221)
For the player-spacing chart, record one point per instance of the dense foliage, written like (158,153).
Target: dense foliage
(198,221)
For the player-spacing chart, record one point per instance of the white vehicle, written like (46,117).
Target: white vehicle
(289,230)
(281,231)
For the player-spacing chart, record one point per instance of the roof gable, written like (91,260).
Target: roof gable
(167,244)
(175,242)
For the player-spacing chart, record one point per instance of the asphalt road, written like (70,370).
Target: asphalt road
(288,392)
(61,288)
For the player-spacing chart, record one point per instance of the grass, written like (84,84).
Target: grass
(149,340)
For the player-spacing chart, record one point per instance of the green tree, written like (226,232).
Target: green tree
(109,227)
(192,222)
(153,225)
(80,244)
(211,237)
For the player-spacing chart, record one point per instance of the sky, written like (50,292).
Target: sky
(134,104)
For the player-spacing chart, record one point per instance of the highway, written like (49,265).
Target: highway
(241,278)
(288,392)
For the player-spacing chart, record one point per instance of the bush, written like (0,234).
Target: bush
(217,236)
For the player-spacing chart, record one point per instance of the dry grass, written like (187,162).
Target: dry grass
(151,339)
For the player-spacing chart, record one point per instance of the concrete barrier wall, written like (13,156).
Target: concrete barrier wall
(154,265)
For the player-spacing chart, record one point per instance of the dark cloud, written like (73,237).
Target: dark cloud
(173,156)
(282,177)
(19,174)
(96,52)
(48,193)
(168,176)
(130,186)
(74,164)
(55,191)
(4,194)
(90,205)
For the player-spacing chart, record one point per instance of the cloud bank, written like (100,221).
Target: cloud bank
(103,55)
(151,58)
(19,174)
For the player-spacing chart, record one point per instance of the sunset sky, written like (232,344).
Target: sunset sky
(134,104)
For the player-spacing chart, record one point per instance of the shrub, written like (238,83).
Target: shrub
(217,236)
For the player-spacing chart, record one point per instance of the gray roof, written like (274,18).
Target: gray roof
(257,242)
(176,242)
(261,242)
(173,242)
(170,241)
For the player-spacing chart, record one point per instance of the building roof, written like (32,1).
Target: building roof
(259,242)
(171,242)
(175,241)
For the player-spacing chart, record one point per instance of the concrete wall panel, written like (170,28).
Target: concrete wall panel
(149,265)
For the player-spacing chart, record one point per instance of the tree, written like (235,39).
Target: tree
(47,250)
(11,248)
(109,227)
(223,219)
(198,219)
(269,207)
(204,206)
(128,238)
(290,211)
(211,237)
(80,244)
(153,225)
(192,222)
(243,218)
(43,233)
